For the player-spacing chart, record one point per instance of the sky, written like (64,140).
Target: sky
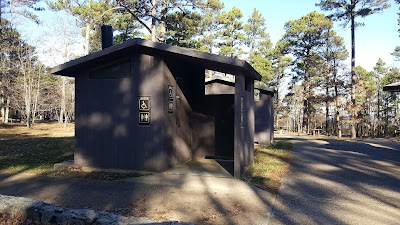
(377,39)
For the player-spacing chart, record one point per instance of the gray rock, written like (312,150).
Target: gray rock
(33,214)
(69,218)
(86,215)
(48,212)
(105,221)
(134,221)
(38,212)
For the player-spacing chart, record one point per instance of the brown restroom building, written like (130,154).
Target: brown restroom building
(263,107)
(141,105)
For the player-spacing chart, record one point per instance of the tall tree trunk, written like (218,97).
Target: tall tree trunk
(36,93)
(327,127)
(2,110)
(162,28)
(153,20)
(386,117)
(276,108)
(337,116)
(306,106)
(379,111)
(63,112)
(87,38)
(327,109)
(7,110)
(28,115)
(353,74)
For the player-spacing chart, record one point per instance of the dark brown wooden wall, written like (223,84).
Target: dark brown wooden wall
(108,133)
(203,135)
(244,125)
(264,117)
(263,132)
(177,125)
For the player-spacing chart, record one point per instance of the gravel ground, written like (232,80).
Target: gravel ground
(191,198)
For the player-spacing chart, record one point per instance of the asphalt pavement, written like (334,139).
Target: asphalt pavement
(341,182)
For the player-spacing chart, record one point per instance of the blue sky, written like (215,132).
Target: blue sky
(377,39)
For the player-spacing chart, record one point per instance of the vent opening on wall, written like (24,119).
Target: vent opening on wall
(120,69)
(247,84)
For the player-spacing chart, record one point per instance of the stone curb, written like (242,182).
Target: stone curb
(38,212)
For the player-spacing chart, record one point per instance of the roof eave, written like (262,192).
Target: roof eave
(395,87)
(208,60)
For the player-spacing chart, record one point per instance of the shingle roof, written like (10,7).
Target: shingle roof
(206,60)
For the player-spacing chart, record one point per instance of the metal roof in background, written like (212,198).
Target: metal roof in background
(395,87)
(229,81)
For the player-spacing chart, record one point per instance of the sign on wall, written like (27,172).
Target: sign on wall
(144,110)
(241,112)
(256,95)
(170,99)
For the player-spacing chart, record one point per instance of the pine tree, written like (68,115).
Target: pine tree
(231,33)
(334,53)
(10,39)
(210,25)
(304,38)
(348,11)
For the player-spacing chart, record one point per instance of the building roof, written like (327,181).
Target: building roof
(395,87)
(264,89)
(220,79)
(206,60)
(231,82)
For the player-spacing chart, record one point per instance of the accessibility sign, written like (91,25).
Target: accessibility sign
(144,104)
(144,110)
(256,95)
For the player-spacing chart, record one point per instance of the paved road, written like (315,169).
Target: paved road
(341,182)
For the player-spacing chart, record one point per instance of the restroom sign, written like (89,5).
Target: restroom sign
(144,118)
(170,99)
(256,95)
(144,110)
(144,104)
(170,92)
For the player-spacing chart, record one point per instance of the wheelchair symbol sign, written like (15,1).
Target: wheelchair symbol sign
(144,104)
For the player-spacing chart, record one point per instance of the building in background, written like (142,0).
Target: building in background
(395,87)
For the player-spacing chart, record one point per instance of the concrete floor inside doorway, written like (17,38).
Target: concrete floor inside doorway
(204,167)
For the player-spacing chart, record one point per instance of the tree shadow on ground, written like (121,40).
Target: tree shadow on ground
(339,182)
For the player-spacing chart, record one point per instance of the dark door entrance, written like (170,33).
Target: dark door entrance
(183,139)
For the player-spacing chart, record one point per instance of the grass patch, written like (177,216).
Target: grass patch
(34,154)
(36,150)
(271,163)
